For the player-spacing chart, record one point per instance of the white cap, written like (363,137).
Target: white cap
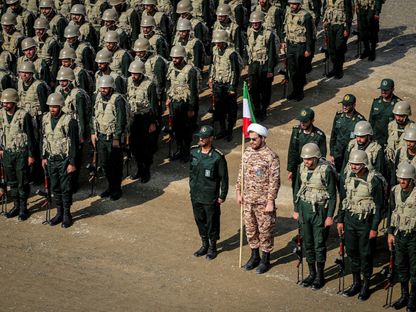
(257,128)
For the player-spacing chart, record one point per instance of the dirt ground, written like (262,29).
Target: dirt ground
(136,254)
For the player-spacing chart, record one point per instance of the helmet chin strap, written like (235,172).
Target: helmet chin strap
(358,170)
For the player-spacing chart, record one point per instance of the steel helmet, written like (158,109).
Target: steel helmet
(223,9)
(11,1)
(220,35)
(78,9)
(55,99)
(110,15)
(402,108)
(177,51)
(116,2)
(148,21)
(27,67)
(310,150)
(295,1)
(358,157)
(46,4)
(65,73)
(9,95)
(111,36)
(8,19)
(28,43)
(406,171)
(257,17)
(184,24)
(104,56)
(363,128)
(149,2)
(67,53)
(410,134)
(137,67)
(106,81)
(141,44)
(184,6)
(71,31)
(41,23)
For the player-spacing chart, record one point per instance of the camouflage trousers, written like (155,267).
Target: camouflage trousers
(259,226)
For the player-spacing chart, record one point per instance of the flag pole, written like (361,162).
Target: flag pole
(241,205)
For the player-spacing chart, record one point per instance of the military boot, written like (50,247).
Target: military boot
(411,304)
(146,175)
(15,210)
(139,172)
(404,298)
(254,260)
(67,218)
(223,132)
(212,250)
(366,51)
(319,280)
(58,218)
(230,132)
(355,287)
(264,263)
(23,212)
(372,54)
(331,73)
(178,154)
(202,251)
(365,289)
(307,282)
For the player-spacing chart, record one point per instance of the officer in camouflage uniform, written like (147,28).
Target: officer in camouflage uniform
(224,77)
(25,19)
(129,18)
(78,17)
(208,183)
(314,205)
(143,101)
(121,58)
(59,154)
(183,100)
(108,127)
(337,23)
(343,130)
(103,59)
(368,15)
(11,38)
(261,181)
(359,215)
(56,21)
(303,133)
(161,19)
(262,59)
(110,19)
(16,151)
(402,234)
(83,49)
(405,153)
(298,36)
(156,40)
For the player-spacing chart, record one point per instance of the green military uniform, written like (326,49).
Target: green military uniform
(162,24)
(95,11)
(25,20)
(369,26)
(85,54)
(239,12)
(121,62)
(57,22)
(234,32)
(194,50)
(42,68)
(129,18)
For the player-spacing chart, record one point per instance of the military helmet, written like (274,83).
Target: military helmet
(141,44)
(28,43)
(27,67)
(402,108)
(110,15)
(220,35)
(105,81)
(363,128)
(149,2)
(184,24)
(410,134)
(46,4)
(67,53)
(177,51)
(137,67)
(104,56)
(310,150)
(112,36)
(358,157)
(148,21)
(9,95)
(65,73)
(78,9)
(223,9)
(11,1)
(257,17)
(55,99)
(406,171)
(41,23)
(295,1)
(71,31)
(8,19)
(184,6)
(116,2)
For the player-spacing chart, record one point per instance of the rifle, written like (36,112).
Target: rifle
(388,271)
(3,190)
(340,262)
(284,71)
(127,155)
(46,194)
(298,250)
(93,171)
(169,130)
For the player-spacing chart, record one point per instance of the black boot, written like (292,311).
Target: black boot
(264,263)
(178,154)
(307,282)
(139,172)
(67,218)
(372,55)
(203,250)
(355,287)
(254,260)
(331,73)
(212,250)
(365,289)
(404,298)
(411,304)
(15,210)
(319,281)
(366,51)
(58,218)
(146,175)
(23,212)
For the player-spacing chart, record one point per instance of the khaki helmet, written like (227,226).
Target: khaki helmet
(141,44)
(8,19)
(257,17)
(27,67)
(9,95)
(363,128)
(137,67)
(402,108)
(41,23)
(65,73)
(46,4)
(149,2)
(110,15)
(71,31)
(11,1)
(220,35)
(184,24)
(116,2)
(106,81)
(295,1)
(184,6)
(148,21)
(358,157)
(67,53)
(111,36)
(28,43)
(410,134)
(104,56)
(223,9)
(404,171)
(78,9)
(310,150)
(55,99)
(177,51)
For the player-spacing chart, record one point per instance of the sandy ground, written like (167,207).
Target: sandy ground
(136,254)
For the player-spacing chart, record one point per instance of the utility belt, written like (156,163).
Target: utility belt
(143,114)
(295,43)
(15,151)
(57,157)
(104,136)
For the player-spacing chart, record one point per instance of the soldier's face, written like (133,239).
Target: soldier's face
(105,91)
(356,168)
(149,8)
(102,66)
(25,76)
(256,141)
(185,15)
(411,145)
(76,18)
(109,24)
(310,163)
(136,76)
(183,34)
(386,94)
(405,183)
(294,7)
(15,6)
(8,106)
(305,125)
(30,53)
(220,45)
(71,40)
(177,60)
(222,18)
(263,2)
(147,30)
(205,142)
(66,62)
(64,83)
(7,28)
(141,54)
(55,110)
(256,25)
(400,119)
(46,11)
(348,108)
(111,46)
(40,32)
(362,140)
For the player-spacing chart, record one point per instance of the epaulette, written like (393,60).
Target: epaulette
(319,132)
(338,113)
(296,127)
(359,116)
(194,146)
(219,152)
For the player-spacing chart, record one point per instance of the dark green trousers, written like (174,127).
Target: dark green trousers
(61,183)
(406,257)
(337,45)
(369,27)
(225,106)
(110,160)
(16,172)
(296,65)
(207,219)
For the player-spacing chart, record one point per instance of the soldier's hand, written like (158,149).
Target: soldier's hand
(296,215)
(71,168)
(167,103)
(332,159)
(116,143)
(346,34)
(269,206)
(231,93)
(270,75)
(152,128)
(191,114)
(376,18)
(340,229)
(30,161)
(220,200)
(94,139)
(283,46)
(329,221)
(390,241)
(1,153)
(290,176)
(373,234)
(44,163)
(81,140)
(210,83)
(307,54)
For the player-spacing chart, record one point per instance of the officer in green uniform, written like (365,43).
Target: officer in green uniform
(381,112)
(369,26)
(343,130)
(358,219)
(107,133)
(402,233)
(405,153)
(303,133)
(208,183)
(16,151)
(59,153)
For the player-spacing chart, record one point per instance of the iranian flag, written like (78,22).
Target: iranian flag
(248,115)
